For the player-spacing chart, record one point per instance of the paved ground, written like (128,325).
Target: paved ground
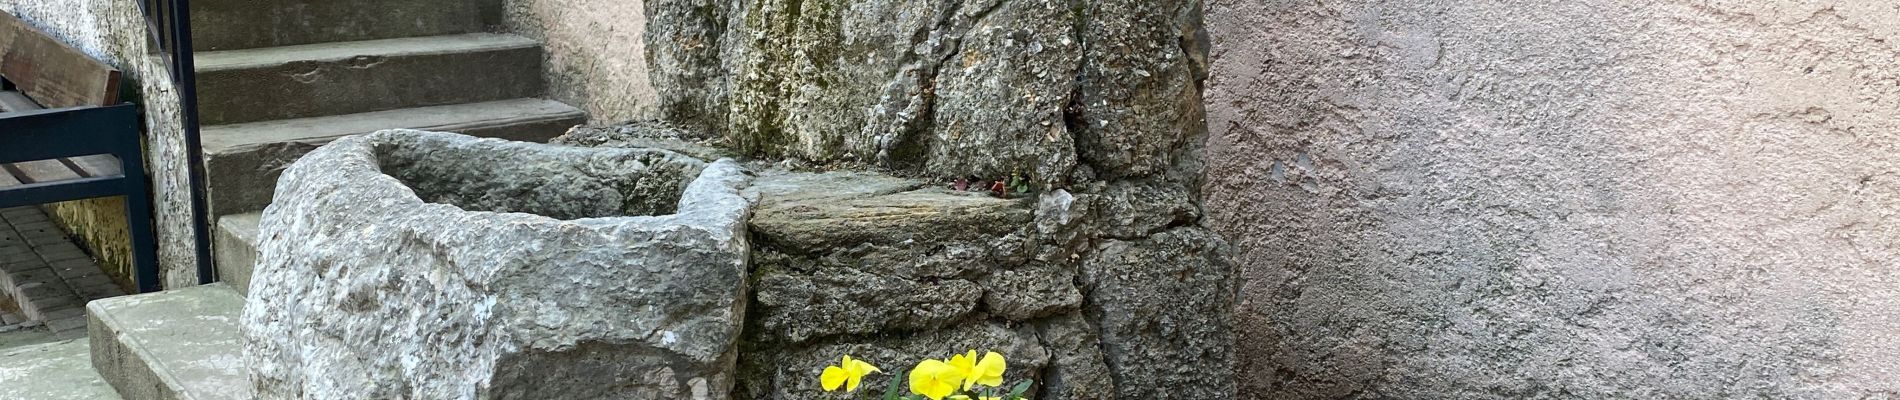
(45,280)
(51,371)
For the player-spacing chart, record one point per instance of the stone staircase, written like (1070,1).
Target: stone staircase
(277,78)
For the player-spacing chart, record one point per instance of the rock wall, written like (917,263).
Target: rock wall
(1560,199)
(596,57)
(114,31)
(1093,270)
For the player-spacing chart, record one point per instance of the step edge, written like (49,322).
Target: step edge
(208,62)
(554,110)
(171,381)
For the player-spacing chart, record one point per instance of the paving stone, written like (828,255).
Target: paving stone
(68,324)
(68,252)
(21,262)
(89,280)
(24,279)
(15,249)
(96,292)
(57,300)
(76,269)
(42,293)
(27,219)
(53,371)
(29,230)
(63,312)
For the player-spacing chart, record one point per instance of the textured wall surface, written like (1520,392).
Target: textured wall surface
(1538,199)
(114,31)
(596,54)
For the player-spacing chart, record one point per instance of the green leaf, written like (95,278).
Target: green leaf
(890,392)
(1021,388)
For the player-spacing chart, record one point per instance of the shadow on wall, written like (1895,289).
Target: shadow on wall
(1612,199)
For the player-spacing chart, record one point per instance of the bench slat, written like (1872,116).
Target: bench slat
(44,171)
(50,72)
(98,165)
(16,101)
(7,179)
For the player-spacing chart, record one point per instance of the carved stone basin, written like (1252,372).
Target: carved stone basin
(410,264)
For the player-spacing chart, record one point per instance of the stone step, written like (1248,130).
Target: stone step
(51,371)
(246,24)
(243,160)
(315,80)
(234,248)
(177,344)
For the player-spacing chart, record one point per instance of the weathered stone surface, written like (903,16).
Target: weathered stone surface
(478,268)
(683,54)
(1164,306)
(1139,109)
(796,306)
(792,372)
(1076,368)
(643,135)
(937,232)
(1135,209)
(1032,291)
(1000,96)
(860,253)
(805,74)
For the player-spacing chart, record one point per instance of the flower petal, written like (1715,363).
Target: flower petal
(832,378)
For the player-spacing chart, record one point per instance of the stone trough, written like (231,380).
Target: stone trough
(409,264)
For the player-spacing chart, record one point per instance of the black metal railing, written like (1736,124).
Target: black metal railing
(169,22)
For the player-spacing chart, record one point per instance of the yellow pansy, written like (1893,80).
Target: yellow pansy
(989,371)
(848,374)
(965,364)
(962,397)
(935,379)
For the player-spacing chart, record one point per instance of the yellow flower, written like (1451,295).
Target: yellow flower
(935,379)
(848,373)
(962,397)
(989,371)
(965,364)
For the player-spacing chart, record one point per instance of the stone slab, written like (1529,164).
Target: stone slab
(178,344)
(244,160)
(51,371)
(234,247)
(354,77)
(244,24)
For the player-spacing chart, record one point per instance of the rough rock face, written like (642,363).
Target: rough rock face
(407,264)
(1094,265)
(1561,199)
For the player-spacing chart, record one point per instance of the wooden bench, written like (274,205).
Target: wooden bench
(65,136)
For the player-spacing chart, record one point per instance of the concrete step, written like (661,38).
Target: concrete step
(178,344)
(234,249)
(314,80)
(51,371)
(246,24)
(243,160)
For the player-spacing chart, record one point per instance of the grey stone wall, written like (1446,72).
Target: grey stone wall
(1560,199)
(114,31)
(1096,271)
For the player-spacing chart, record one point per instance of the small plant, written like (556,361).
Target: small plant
(960,377)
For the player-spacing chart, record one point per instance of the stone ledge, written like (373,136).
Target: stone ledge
(178,344)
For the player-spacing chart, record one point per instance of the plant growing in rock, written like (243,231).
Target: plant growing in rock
(960,377)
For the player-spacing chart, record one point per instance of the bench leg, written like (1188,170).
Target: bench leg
(138,210)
